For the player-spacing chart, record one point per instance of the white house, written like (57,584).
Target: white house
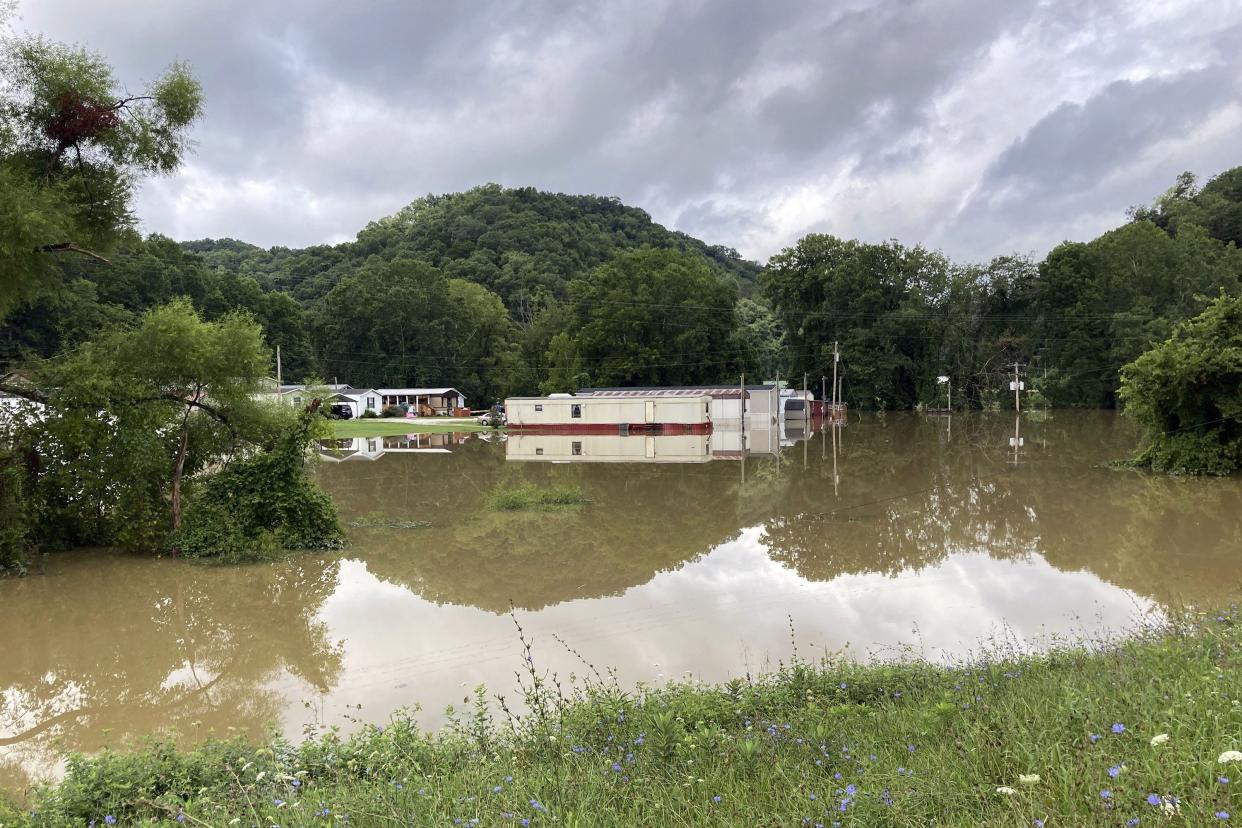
(436,400)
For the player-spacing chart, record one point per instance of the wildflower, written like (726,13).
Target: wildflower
(525,821)
(1132,821)
(1028,778)
(1094,737)
(497,789)
(1222,815)
(1006,790)
(1115,771)
(110,820)
(716,798)
(1106,794)
(1039,823)
(1230,756)
(1119,728)
(279,803)
(1224,780)
(1159,739)
(1152,799)
(910,748)
(851,789)
(616,767)
(534,803)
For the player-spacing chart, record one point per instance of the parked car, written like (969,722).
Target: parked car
(495,417)
(341,411)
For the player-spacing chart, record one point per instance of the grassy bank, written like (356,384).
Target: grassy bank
(1124,734)
(393,428)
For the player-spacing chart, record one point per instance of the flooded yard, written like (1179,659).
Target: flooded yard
(691,556)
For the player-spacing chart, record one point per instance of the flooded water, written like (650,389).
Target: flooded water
(913,533)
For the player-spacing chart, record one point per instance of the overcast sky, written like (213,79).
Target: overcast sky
(977,126)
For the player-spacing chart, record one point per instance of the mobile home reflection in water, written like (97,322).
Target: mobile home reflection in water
(609,448)
(720,444)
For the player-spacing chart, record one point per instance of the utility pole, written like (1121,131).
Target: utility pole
(741,423)
(836,357)
(1017,389)
(279,378)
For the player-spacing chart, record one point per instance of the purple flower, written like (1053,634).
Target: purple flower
(1222,815)
(1119,728)
(110,820)
(1094,737)
(1114,771)
(616,767)
(1039,823)
(1106,794)
(910,748)
(1152,799)
(716,798)
(1132,821)
(1224,780)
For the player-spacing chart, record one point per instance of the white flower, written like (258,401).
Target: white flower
(1006,790)
(1230,756)
(1170,807)
(1028,778)
(1159,739)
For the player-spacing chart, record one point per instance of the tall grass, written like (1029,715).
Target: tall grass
(1091,734)
(529,497)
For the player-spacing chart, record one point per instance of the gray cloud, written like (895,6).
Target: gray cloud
(976,126)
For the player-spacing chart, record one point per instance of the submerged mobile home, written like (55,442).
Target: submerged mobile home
(728,401)
(572,414)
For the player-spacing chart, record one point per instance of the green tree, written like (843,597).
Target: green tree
(649,317)
(129,416)
(403,323)
(72,147)
(1187,394)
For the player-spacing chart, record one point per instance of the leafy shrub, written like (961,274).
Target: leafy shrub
(392,411)
(369,414)
(1187,394)
(13,540)
(259,505)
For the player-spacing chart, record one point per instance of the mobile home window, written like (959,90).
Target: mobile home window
(371,403)
(539,408)
(538,451)
(577,447)
(575,411)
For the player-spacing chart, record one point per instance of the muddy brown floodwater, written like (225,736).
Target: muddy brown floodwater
(917,533)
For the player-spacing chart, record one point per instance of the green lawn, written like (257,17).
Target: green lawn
(1140,732)
(389,428)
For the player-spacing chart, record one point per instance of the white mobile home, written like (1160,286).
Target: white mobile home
(728,402)
(607,415)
